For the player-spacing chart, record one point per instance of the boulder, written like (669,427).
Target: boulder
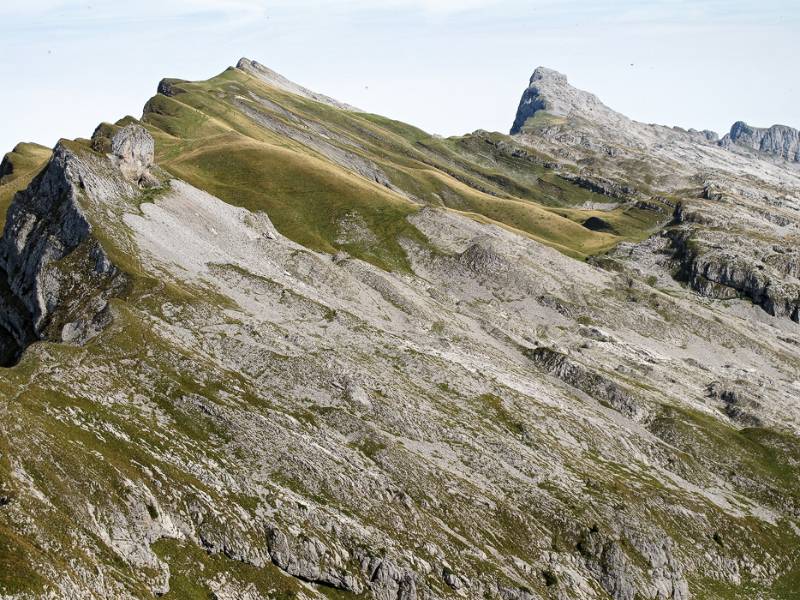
(133,150)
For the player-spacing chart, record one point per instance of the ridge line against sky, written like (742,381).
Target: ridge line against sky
(448,66)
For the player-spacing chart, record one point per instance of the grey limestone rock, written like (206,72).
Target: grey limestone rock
(730,271)
(277,80)
(387,580)
(535,97)
(44,294)
(594,384)
(779,140)
(133,149)
(311,560)
(609,564)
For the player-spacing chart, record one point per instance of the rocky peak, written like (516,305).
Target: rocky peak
(170,86)
(133,151)
(545,74)
(778,140)
(549,91)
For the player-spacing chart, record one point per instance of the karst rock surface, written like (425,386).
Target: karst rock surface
(260,344)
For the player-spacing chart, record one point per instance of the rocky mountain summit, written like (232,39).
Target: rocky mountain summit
(715,194)
(550,94)
(261,345)
(778,140)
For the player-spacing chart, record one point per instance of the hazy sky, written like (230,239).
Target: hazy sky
(448,66)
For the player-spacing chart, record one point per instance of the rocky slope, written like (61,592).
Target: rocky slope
(278,349)
(717,195)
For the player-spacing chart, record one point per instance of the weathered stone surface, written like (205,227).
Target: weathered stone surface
(548,91)
(310,560)
(602,186)
(277,80)
(133,149)
(387,580)
(726,272)
(599,387)
(55,278)
(609,565)
(779,140)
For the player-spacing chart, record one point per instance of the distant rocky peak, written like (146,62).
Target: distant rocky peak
(545,74)
(779,140)
(550,92)
(257,69)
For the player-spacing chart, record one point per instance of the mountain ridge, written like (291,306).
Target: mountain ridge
(277,80)
(778,140)
(283,349)
(550,92)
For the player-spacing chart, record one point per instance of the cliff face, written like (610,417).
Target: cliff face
(722,273)
(55,277)
(779,140)
(550,92)
(531,103)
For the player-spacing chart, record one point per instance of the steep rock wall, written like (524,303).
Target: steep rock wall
(55,277)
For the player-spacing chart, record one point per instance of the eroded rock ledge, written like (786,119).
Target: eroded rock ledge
(594,384)
(725,271)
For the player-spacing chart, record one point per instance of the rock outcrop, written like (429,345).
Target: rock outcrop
(55,277)
(549,91)
(133,152)
(779,140)
(601,186)
(609,564)
(571,116)
(608,559)
(603,389)
(170,87)
(726,272)
(311,560)
(388,581)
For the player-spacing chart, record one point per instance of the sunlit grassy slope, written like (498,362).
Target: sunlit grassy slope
(312,167)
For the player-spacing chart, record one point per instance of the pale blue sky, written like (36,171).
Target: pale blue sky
(448,66)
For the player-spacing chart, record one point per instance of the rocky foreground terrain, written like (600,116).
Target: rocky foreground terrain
(261,344)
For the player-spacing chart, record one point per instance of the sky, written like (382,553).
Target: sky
(447,66)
